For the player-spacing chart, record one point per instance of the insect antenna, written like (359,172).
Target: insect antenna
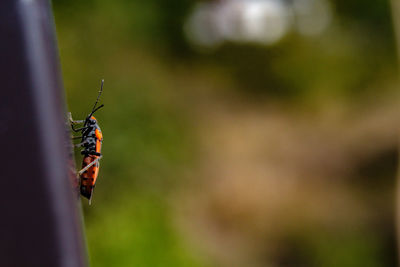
(94,109)
(99,107)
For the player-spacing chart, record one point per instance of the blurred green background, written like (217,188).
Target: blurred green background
(237,133)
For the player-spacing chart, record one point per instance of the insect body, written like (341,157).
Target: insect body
(91,141)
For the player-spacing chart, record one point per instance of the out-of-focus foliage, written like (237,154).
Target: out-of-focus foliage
(241,154)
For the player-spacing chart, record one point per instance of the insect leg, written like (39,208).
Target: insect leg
(89,165)
(80,144)
(79,129)
(72,121)
(76,122)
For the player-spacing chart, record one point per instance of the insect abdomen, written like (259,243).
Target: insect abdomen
(88,178)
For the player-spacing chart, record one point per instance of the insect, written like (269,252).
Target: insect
(91,141)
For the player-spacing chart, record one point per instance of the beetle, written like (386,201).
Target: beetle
(91,141)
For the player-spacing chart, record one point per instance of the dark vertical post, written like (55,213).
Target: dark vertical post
(40,220)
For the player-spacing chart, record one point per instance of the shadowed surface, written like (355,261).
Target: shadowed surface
(40,223)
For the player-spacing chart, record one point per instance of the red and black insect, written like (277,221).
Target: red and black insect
(91,141)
